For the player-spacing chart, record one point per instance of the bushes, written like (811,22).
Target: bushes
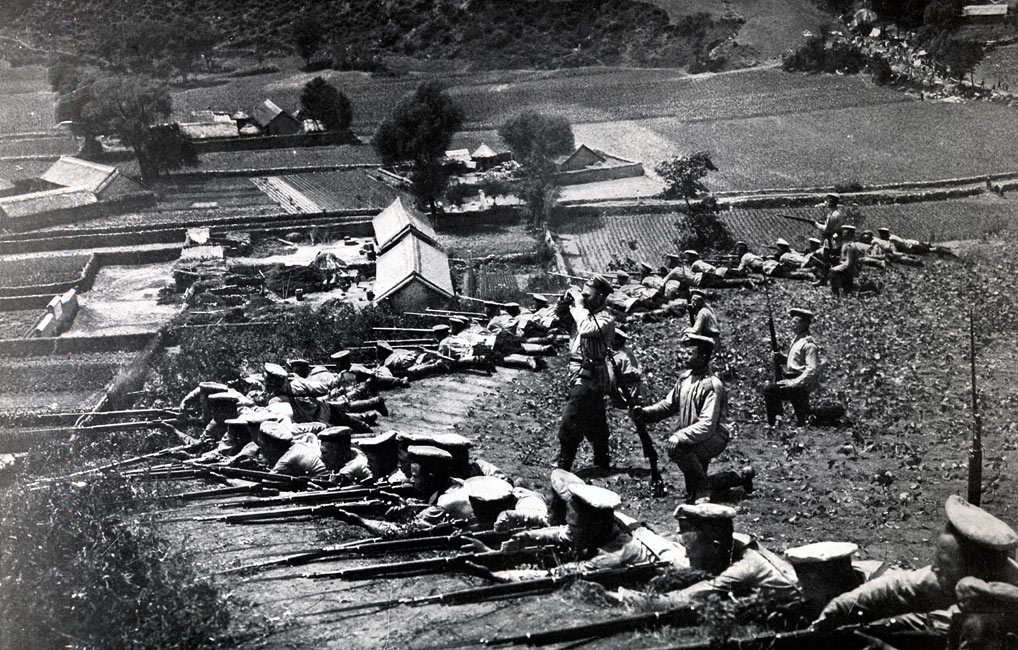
(817,55)
(74,572)
(225,354)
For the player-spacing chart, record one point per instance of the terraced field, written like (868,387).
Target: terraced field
(26,104)
(590,242)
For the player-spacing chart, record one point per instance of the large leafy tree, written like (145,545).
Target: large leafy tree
(126,106)
(322,101)
(700,228)
(418,133)
(683,175)
(536,140)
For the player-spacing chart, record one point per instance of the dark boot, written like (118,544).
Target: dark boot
(373,404)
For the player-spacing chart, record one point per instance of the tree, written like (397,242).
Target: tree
(683,175)
(531,135)
(308,34)
(418,132)
(535,140)
(191,40)
(125,106)
(323,102)
(701,229)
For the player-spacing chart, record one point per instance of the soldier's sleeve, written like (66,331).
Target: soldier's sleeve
(894,593)
(357,470)
(664,408)
(301,387)
(707,419)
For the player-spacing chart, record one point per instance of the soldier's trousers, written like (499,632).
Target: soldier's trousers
(841,282)
(775,396)
(583,417)
(693,460)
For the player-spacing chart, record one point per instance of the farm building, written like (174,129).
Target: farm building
(273,120)
(413,274)
(396,221)
(586,165)
(208,130)
(485,157)
(103,181)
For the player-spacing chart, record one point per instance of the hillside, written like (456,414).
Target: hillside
(489,33)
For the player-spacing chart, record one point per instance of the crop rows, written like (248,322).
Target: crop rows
(68,373)
(343,190)
(14,324)
(293,157)
(41,270)
(595,240)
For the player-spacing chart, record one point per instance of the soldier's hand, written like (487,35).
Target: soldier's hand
(783,383)
(475,545)
(671,444)
(511,545)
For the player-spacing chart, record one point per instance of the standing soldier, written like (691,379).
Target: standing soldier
(801,370)
(699,400)
(830,227)
(702,319)
(842,276)
(591,329)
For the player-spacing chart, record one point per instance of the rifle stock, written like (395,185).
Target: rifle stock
(975,477)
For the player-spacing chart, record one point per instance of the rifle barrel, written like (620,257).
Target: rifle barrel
(975,477)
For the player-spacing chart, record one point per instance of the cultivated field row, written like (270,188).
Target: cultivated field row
(590,242)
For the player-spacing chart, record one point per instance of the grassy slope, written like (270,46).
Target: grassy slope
(905,383)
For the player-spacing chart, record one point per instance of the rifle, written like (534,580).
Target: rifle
(975,487)
(402,329)
(432,310)
(506,590)
(212,493)
(299,482)
(454,541)
(657,484)
(795,218)
(430,566)
(779,371)
(678,616)
(482,301)
(433,353)
(325,510)
(122,463)
(331,495)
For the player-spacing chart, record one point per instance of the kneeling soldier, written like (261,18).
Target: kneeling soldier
(801,369)
(699,400)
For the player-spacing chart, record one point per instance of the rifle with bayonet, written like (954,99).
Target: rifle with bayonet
(975,484)
(332,495)
(337,510)
(481,562)
(779,366)
(609,577)
(435,542)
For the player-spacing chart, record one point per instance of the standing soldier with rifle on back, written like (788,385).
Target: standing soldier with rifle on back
(591,328)
(800,370)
